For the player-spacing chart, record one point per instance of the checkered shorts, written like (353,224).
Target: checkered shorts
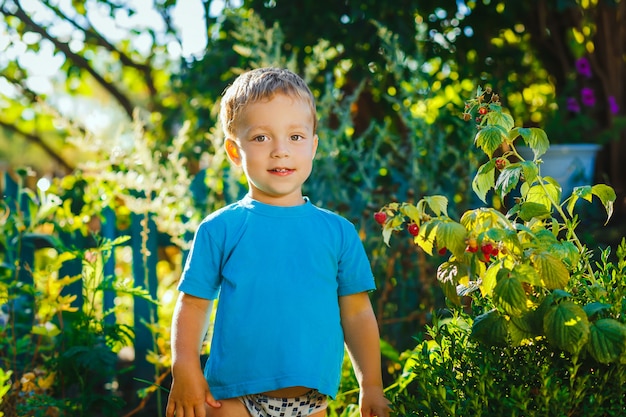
(260,405)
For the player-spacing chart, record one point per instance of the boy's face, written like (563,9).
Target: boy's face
(275,145)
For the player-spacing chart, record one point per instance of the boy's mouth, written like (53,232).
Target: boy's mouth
(281,170)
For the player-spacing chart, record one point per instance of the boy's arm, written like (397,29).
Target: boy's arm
(190,391)
(363,343)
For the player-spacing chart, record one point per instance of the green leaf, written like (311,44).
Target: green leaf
(490,138)
(410,211)
(536,139)
(594,308)
(484,179)
(452,235)
(607,196)
(438,204)
(566,326)
(508,179)
(552,271)
(425,239)
(491,328)
(521,329)
(544,195)
(449,290)
(607,340)
(497,117)
(49,330)
(509,294)
(530,210)
(489,279)
(530,171)
(526,273)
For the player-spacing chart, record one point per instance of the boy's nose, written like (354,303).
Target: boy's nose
(280,150)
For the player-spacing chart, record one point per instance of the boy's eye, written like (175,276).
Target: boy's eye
(296,137)
(260,138)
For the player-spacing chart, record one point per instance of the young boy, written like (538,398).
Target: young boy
(292,278)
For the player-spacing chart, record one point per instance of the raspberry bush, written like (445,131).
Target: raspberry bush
(521,272)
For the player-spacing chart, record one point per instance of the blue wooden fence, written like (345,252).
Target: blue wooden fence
(144,273)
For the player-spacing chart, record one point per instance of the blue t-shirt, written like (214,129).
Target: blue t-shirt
(278,272)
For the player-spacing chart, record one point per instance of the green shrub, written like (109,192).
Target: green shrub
(546,332)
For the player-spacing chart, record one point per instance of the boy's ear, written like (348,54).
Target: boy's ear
(315,142)
(232,150)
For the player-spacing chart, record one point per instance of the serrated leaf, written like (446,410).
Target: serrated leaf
(491,328)
(449,290)
(552,271)
(530,210)
(607,340)
(438,204)
(426,237)
(490,138)
(566,251)
(566,326)
(536,139)
(543,195)
(448,272)
(594,308)
(497,117)
(509,294)
(452,235)
(607,196)
(484,180)
(530,171)
(410,211)
(489,279)
(508,179)
(521,329)
(526,273)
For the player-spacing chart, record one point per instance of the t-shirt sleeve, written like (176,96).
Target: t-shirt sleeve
(201,276)
(355,272)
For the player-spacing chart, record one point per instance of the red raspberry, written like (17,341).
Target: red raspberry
(380,217)
(413,229)
(501,163)
(487,249)
(482,110)
(442,251)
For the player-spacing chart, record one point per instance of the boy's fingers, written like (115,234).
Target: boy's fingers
(212,401)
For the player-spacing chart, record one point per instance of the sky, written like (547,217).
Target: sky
(45,64)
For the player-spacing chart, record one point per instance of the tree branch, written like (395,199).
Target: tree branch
(39,142)
(92,35)
(78,60)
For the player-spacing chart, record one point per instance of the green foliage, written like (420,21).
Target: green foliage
(61,357)
(534,288)
(449,373)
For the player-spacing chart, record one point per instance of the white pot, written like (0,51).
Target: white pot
(572,165)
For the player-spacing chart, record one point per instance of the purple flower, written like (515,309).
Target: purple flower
(613,106)
(572,105)
(587,97)
(583,67)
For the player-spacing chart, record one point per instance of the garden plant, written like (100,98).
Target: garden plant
(536,319)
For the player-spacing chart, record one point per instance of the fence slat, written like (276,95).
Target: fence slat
(145,277)
(109,231)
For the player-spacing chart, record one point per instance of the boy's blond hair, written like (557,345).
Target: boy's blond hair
(261,84)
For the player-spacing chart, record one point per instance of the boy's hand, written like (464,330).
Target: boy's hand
(372,402)
(189,396)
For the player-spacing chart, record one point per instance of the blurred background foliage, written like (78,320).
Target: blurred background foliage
(100,98)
